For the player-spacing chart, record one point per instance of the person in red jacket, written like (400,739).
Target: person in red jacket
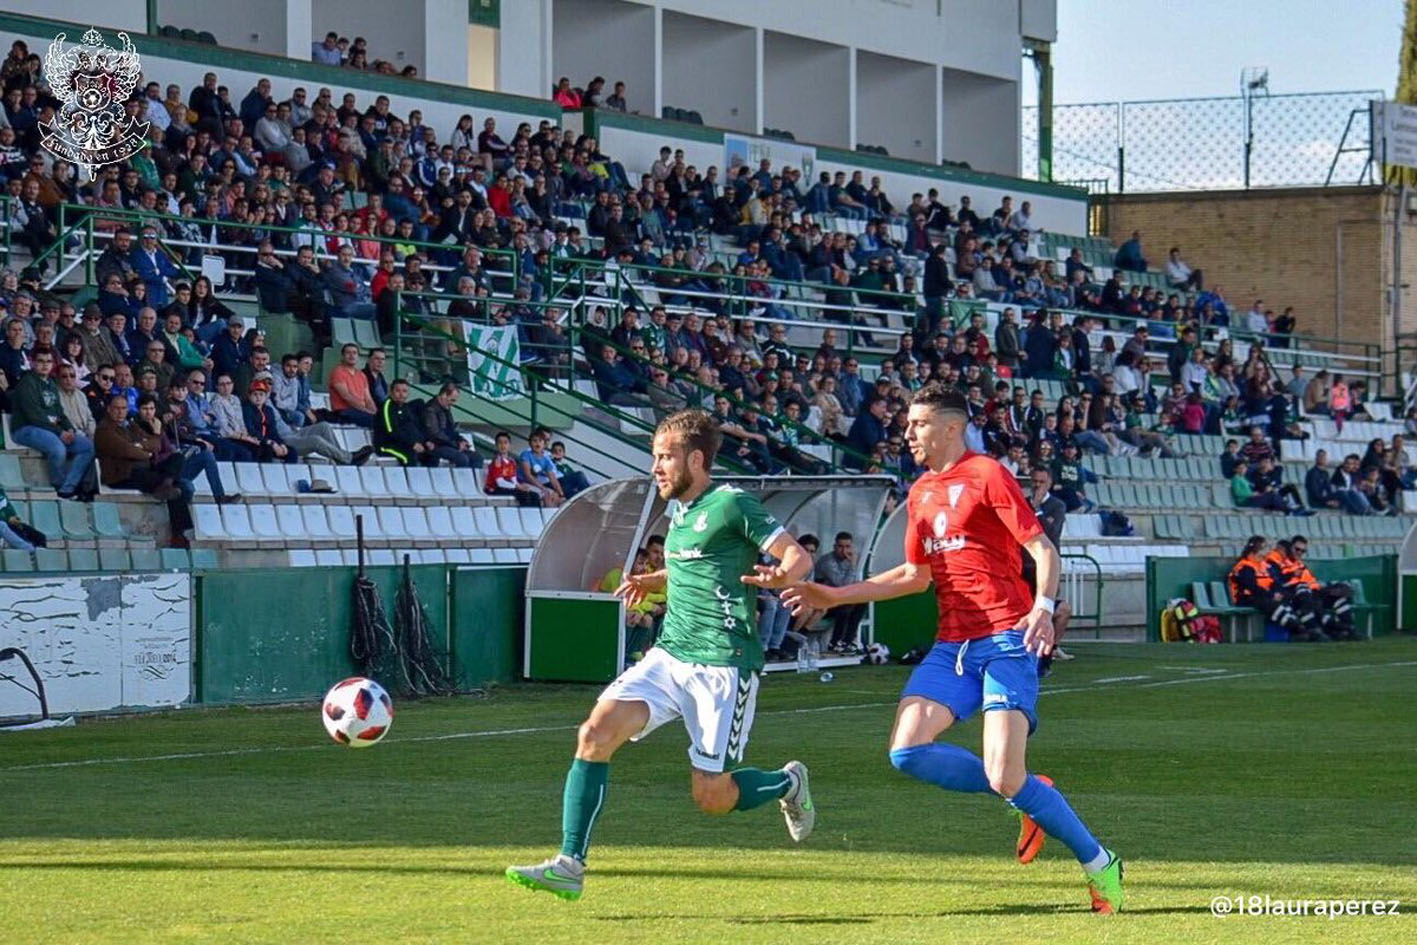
(502,478)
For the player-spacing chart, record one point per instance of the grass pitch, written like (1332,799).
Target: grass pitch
(1215,771)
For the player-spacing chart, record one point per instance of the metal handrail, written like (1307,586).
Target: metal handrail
(1071,588)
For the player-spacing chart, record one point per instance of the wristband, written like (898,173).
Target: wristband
(1045,603)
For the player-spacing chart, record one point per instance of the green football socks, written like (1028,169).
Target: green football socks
(581,804)
(756,787)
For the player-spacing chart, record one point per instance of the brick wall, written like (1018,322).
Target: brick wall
(1322,250)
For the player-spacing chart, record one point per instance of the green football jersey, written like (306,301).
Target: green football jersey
(712,616)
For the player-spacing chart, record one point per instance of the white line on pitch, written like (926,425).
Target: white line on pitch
(494,733)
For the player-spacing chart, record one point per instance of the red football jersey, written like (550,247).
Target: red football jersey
(968,523)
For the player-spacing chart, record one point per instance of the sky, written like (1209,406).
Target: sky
(1111,50)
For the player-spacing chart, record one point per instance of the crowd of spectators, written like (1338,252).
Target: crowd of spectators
(461,215)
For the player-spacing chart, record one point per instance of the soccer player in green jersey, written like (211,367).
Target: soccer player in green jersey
(705,666)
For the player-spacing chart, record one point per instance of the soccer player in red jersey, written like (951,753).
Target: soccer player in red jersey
(968,521)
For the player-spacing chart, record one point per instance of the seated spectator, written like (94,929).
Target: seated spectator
(1257,447)
(1370,484)
(1070,478)
(350,296)
(1320,490)
(263,426)
(572,480)
(74,402)
(14,531)
(1244,495)
(179,436)
(131,456)
(1267,477)
(231,349)
(1181,276)
(441,431)
(1230,457)
(398,427)
(536,467)
(838,569)
(350,399)
(503,477)
(1347,482)
(38,421)
(617,383)
(1129,255)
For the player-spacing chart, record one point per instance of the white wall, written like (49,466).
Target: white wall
(710,67)
(637,150)
(130,15)
(980,121)
(805,89)
(392,31)
(256,25)
(444,41)
(895,105)
(524,49)
(608,38)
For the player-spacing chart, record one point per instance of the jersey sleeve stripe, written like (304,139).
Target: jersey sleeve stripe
(767,543)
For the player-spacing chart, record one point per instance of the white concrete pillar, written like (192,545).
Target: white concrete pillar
(759,78)
(299,29)
(658,60)
(850,98)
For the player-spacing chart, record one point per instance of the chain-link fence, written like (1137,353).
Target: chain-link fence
(1200,143)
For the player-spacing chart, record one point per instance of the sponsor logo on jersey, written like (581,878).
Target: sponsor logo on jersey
(944,545)
(685,554)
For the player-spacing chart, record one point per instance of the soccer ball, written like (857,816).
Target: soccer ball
(878,654)
(357,712)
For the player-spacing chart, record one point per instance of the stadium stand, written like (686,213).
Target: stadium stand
(631,291)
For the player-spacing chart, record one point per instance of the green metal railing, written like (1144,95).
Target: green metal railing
(78,220)
(409,355)
(414,331)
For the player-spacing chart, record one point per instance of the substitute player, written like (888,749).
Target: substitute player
(967,521)
(704,668)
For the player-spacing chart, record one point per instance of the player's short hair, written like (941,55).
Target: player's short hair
(696,430)
(654,540)
(941,398)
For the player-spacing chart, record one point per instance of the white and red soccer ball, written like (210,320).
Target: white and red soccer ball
(357,712)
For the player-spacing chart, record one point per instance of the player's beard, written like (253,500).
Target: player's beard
(677,486)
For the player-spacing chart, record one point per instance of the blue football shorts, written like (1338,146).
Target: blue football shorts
(993,672)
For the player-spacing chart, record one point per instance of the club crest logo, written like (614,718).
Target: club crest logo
(92,80)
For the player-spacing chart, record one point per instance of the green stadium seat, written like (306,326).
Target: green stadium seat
(342,333)
(175,559)
(83,559)
(51,560)
(147,559)
(44,515)
(115,559)
(366,334)
(11,478)
(74,517)
(17,561)
(105,520)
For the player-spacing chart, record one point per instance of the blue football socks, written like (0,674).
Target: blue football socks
(1051,812)
(949,766)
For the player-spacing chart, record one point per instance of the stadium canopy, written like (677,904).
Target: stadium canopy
(576,632)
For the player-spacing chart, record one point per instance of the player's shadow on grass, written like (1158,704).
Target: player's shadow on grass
(867,918)
(263,865)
